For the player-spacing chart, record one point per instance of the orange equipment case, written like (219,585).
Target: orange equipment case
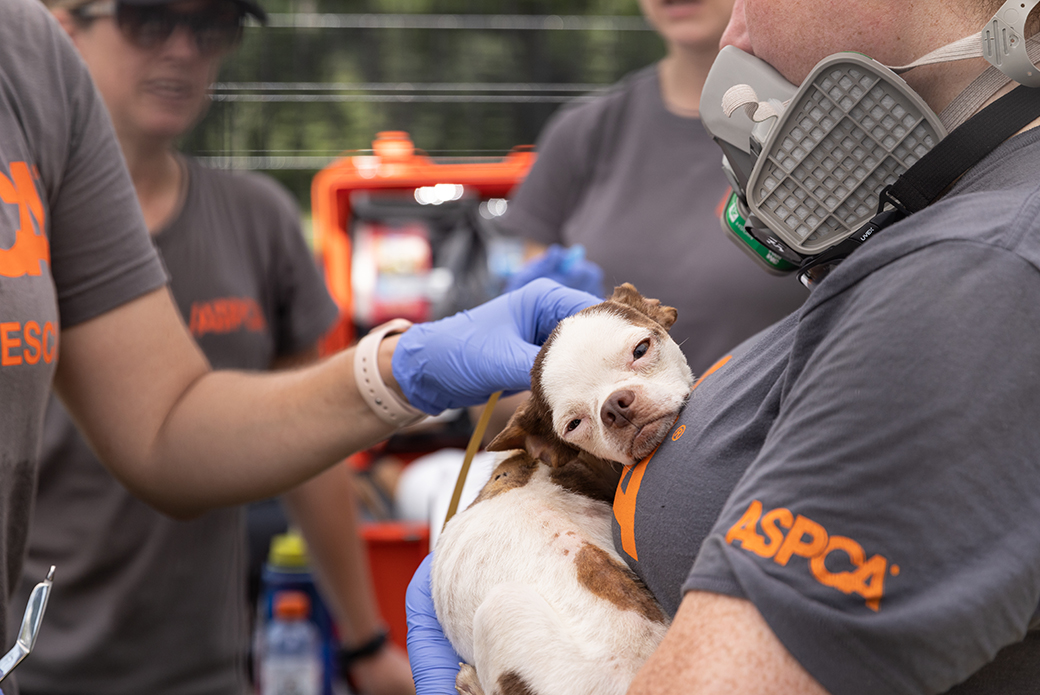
(394,165)
(395,549)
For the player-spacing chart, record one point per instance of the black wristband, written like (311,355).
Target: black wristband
(373,646)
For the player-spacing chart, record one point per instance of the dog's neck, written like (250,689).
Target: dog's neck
(588,476)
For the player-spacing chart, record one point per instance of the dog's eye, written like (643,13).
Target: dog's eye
(641,349)
(573,425)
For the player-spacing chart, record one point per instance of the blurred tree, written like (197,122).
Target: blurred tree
(463,77)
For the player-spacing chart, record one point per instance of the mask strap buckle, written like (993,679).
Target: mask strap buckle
(887,197)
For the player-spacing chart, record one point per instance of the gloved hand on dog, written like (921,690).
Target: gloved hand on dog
(461,360)
(566,266)
(434,662)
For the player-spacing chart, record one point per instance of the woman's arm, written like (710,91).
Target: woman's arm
(186,438)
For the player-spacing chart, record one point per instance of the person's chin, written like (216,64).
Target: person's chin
(170,123)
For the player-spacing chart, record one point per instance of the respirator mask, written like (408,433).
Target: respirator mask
(811,165)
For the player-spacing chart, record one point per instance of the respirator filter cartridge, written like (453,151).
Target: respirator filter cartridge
(851,129)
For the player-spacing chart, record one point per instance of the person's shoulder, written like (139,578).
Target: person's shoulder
(1013,166)
(600,117)
(628,87)
(613,99)
(997,201)
(995,205)
(50,110)
(257,190)
(25,16)
(32,42)
(40,64)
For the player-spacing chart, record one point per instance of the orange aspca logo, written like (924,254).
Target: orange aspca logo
(809,540)
(30,251)
(226,315)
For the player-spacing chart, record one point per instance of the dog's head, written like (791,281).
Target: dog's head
(609,381)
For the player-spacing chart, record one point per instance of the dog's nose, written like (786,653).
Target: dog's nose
(616,408)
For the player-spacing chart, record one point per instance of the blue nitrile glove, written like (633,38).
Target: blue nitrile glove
(461,360)
(566,266)
(434,663)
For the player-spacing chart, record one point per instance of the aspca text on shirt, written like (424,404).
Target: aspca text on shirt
(779,534)
(28,312)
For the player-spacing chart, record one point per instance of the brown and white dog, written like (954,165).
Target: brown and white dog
(526,581)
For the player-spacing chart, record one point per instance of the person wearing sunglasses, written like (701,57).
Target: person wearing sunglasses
(86,310)
(146,603)
(216,27)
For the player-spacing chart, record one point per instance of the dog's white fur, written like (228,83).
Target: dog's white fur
(510,602)
(592,361)
(526,581)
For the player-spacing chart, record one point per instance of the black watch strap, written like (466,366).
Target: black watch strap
(347,657)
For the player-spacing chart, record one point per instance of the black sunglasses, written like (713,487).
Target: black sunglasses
(216,28)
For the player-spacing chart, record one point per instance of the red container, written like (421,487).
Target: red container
(395,549)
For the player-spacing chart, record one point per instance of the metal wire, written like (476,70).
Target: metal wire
(402,92)
(506,22)
(481,92)
(403,98)
(254,160)
(267,162)
(576,87)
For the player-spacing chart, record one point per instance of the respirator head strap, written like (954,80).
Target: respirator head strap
(924,182)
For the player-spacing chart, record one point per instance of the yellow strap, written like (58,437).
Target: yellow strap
(471,451)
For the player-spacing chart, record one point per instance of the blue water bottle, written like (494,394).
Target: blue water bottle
(291,649)
(288,569)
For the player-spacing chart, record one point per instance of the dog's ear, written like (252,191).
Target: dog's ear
(512,437)
(629,296)
(548,449)
(529,429)
(521,423)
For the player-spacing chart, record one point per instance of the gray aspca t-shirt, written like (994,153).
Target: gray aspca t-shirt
(147,604)
(73,244)
(640,188)
(867,471)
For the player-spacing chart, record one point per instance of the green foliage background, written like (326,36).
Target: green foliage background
(351,75)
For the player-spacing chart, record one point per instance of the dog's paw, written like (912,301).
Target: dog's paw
(466,682)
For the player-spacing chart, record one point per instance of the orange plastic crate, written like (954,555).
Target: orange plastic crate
(395,549)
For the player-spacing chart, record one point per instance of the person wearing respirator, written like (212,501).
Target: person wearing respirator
(860,478)
(846,504)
